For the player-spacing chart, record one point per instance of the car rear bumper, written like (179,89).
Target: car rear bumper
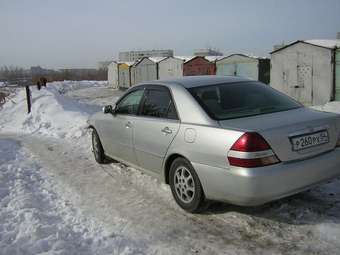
(256,186)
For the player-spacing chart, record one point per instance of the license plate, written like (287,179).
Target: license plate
(306,141)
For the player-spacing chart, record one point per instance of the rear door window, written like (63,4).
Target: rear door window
(158,103)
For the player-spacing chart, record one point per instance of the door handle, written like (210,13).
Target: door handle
(166,130)
(128,124)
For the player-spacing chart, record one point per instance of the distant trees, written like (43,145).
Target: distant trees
(82,74)
(12,73)
(9,73)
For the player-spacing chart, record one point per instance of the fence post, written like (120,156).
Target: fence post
(28,98)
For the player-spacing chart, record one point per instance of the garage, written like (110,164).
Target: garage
(124,74)
(256,68)
(146,69)
(171,67)
(308,71)
(112,74)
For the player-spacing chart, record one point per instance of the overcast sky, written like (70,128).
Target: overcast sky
(79,33)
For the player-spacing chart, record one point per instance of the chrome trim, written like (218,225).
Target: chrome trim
(250,155)
(309,130)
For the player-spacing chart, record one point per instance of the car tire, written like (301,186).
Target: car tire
(186,187)
(97,148)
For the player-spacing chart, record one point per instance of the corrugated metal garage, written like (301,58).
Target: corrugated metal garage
(337,75)
(308,71)
(112,74)
(171,67)
(252,67)
(198,66)
(124,74)
(146,69)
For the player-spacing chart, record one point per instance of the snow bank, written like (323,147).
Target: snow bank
(65,86)
(329,107)
(37,220)
(52,113)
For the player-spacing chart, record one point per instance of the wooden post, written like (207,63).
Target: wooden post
(28,98)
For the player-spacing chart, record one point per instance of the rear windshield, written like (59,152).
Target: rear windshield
(242,99)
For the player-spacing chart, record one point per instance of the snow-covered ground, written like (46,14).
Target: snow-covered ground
(54,198)
(36,219)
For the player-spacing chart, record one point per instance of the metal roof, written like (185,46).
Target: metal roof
(129,63)
(157,59)
(325,43)
(213,58)
(153,59)
(243,55)
(328,44)
(185,58)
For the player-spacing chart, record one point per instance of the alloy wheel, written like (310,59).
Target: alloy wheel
(184,184)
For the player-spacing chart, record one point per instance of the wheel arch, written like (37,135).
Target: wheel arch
(93,128)
(171,158)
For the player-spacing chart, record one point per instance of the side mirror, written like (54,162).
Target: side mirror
(108,109)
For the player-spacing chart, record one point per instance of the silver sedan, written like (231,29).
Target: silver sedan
(219,138)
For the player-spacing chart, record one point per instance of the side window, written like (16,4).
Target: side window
(129,104)
(158,103)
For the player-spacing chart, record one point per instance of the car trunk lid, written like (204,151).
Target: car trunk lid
(280,128)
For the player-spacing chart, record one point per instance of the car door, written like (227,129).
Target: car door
(155,127)
(119,127)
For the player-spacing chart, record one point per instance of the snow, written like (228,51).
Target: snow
(157,59)
(52,114)
(213,58)
(185,58)
(55,199)
(329,107)
(37,220)
(325,43)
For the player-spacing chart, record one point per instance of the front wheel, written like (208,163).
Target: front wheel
(97,148)
(186,186)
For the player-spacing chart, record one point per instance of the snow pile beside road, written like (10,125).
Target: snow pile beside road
(329,107)
(52,113)
(37,220)
(65,86)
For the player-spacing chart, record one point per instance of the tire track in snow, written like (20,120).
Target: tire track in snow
(35,219)
(132,204)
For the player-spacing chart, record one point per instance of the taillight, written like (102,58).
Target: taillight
(251,150)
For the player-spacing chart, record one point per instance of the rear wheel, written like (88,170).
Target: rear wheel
(186,186)
(97,148)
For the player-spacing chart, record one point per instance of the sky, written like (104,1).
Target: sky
(79,33)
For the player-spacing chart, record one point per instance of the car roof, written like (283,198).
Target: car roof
(200,80)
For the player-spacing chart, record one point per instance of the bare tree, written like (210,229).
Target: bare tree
(12,73)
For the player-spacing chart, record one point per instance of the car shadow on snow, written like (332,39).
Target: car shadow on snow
(8,150)
(320,204)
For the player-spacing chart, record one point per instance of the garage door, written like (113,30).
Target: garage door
(304,82)
(226,69)
(248,70)
(337,76)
